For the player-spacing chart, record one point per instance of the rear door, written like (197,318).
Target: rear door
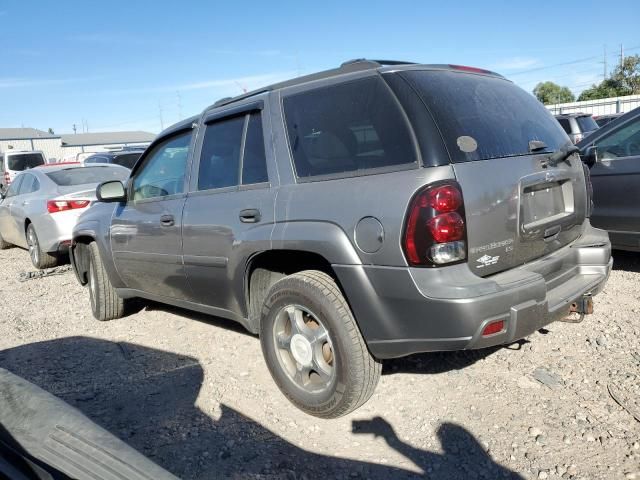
(229,211)
(516,210)
(21,203)
(615,178)
(146,231)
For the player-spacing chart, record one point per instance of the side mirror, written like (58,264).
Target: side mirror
(590,156)
(112,191)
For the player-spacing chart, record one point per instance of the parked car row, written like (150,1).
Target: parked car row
(368,212)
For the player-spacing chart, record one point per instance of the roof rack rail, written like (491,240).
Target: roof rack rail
(376,63)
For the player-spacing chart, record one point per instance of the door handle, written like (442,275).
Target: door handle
(167,220)
(250,215)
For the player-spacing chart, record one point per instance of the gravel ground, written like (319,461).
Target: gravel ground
(192,393)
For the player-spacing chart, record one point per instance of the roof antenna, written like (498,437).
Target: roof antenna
(244,89)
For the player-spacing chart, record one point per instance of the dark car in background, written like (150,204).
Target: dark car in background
(577,125)
(125,158)
(615,177)
(603,120)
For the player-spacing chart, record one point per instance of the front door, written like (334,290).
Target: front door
(146,230)
(229,211)
(615,178)
(8,225)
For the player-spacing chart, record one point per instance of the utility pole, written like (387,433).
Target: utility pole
(74,128)
(621,56)
(160,115)
(605,62)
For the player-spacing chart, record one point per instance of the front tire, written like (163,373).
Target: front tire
(313,347)
(105,302)
(39,258)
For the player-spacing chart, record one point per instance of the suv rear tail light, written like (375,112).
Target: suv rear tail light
(7,179)
(435,231)
(587,179)
(54,206)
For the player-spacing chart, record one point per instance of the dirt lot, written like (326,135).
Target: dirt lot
(192,393)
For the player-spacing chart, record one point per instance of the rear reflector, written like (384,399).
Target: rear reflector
(492,328)
(54,206)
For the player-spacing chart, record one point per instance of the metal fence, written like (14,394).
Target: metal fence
(602,106)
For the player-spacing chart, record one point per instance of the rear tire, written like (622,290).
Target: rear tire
(313,346)
(39,258)
(105,302)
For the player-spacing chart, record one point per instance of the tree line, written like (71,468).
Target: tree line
(625,80)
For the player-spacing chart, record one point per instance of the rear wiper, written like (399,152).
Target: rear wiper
(561,155)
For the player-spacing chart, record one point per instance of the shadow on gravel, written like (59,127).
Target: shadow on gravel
(147,398)
(628,261)
(436,362)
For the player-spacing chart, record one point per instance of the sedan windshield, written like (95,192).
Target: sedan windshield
(83,175)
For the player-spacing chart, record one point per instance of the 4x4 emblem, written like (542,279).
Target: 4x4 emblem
(487,260)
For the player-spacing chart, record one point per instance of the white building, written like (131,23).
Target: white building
(602,106)
(67,147)
(30,139)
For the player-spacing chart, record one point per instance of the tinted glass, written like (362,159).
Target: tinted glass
(482,117)
(24,161)
(587,124)
(624,142)
(84,175)
(565,124)
(220,158)
(27,185)
(128,160)
(254,162)
(349,127)
(164,169)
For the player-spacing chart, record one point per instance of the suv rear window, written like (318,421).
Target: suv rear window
(24,161)
(84,175)
(349,127)
(483,117)
(587,123)
(127,160)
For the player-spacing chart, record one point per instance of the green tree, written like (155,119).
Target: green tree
(551,93)
(51,131)
(625,80)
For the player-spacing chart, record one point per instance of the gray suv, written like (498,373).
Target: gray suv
(367,212)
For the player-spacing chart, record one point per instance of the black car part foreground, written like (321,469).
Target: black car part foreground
(43,438)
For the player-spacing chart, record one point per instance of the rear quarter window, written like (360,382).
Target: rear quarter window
(348,128)
(482,117)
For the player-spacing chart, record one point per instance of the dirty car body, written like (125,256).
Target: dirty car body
(435,213)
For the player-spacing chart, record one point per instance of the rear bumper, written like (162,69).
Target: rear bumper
(54,230)
(402,311)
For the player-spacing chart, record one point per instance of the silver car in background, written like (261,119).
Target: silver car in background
(42,205)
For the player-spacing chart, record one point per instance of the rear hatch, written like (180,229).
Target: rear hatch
(499,138)
(20,161)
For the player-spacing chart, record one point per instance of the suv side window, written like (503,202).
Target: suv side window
(348,127)
(624,142)
(164,169)
(565,124)
(220,157)
(254,161)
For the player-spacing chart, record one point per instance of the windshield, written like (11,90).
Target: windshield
(483,117)
(25,161)
(83,175)
(587,123)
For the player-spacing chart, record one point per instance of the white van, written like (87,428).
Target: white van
(13,162)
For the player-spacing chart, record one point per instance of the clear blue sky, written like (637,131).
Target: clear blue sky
(114,64)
